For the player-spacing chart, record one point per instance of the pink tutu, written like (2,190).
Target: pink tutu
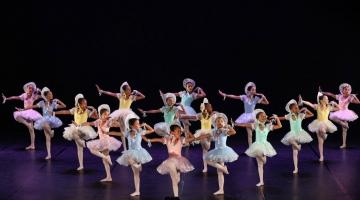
(245,118)
(104,143)
(326,126)
(181,163)
(122,115)
(344,115)
(29,115)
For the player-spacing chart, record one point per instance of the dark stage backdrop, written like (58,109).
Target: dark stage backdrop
(286,47)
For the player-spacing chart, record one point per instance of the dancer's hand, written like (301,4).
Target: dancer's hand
(222,94)
(100,91)
(4,98)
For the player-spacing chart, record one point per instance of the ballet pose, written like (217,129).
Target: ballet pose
(344,115)
(48,121)
(261,148)
(221,154)
(124,113)
(297,134)
(136,155)
(250,99)
(77,131)
(102,146)
(205,118)
(170,111)
(27,117)
(176,163)
(322,125)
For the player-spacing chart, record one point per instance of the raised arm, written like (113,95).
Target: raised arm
(263,99)
(200,93)
(231,131)
(63,112)
(149,111)
(355,99)
(105,92)
(329,94)
(307,112)
(149,129)
(248,125)
(229,96)
(278,122)
(313,106)
(138,95)
(60,104)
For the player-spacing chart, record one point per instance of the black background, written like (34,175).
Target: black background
(286,47)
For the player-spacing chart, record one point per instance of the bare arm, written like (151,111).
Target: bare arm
(149,111)
(308,113)
(200,93)
(159,140)
(229,95)
(27,108)
(329,94)
(10,98)
(60,104)
(139,95)
(355,99)
(63,112)
(278,124)
(105,92)
(248,125)
(149,129)
(282,118)
(263,99)
(231,131)
(313,106)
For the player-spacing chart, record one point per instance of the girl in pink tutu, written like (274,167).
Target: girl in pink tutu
(124,113)
(102,146)
(297,135)
(48,121)
(322,125)
(27,117)
(77,131)
(344,115)
(176,163)
(250,99)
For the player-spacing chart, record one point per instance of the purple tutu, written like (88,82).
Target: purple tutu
(53,122)
(181,163)
(344,115)
(245,118)
(104,143)
(29,115)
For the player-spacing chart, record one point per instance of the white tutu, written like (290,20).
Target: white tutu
(84,132)
(138,155)
(302,137)
(104,143)
(344,115)
(222,154)
(245,118)
(53,122)
(181,163)
(121,115)
(326,126)
(29,115)
(258,149)
(162,129)
(205,143)
(188,110)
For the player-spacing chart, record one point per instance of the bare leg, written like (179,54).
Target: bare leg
(220,182)
(136,181)
(101,155)
(80,154)
(249,136)
(344,135)
(175,178)
(295,159)
(47,131)
(204,152)
(321,136)
(30,127)
(260,171)
(107,167)
(218,166)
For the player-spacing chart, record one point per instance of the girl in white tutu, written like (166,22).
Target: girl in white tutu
(205,118)
(322,125)
(77,131)
(125,97)
(136,155)
(344,115)
(27,117)
(187,97)
(261,148)
(170,111)
(221,154)
(48,121)
(176,163)
(297,135)
(250,99)
(102,146)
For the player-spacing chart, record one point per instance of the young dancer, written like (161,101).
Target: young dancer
(344,115)
(221,154)
(27,117)
(297,135)
(261,148)
(102,146)
(124,113)
(48,121)
(77,131)
(135,156)
(176,163)
(250,99)
(322,125)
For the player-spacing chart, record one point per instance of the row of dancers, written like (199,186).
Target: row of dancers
(215,126)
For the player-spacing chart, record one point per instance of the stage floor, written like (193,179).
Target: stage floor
(26,175)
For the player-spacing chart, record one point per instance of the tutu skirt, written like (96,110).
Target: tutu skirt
(181,163)
(29,115)
(122,116)
(258,149)
(84,132)
(53,122)
(138,155)
(223,154)
(344,115)
(302,137)
(162,129)
(104,143)
(205,143)
(326,126)
(245,118)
